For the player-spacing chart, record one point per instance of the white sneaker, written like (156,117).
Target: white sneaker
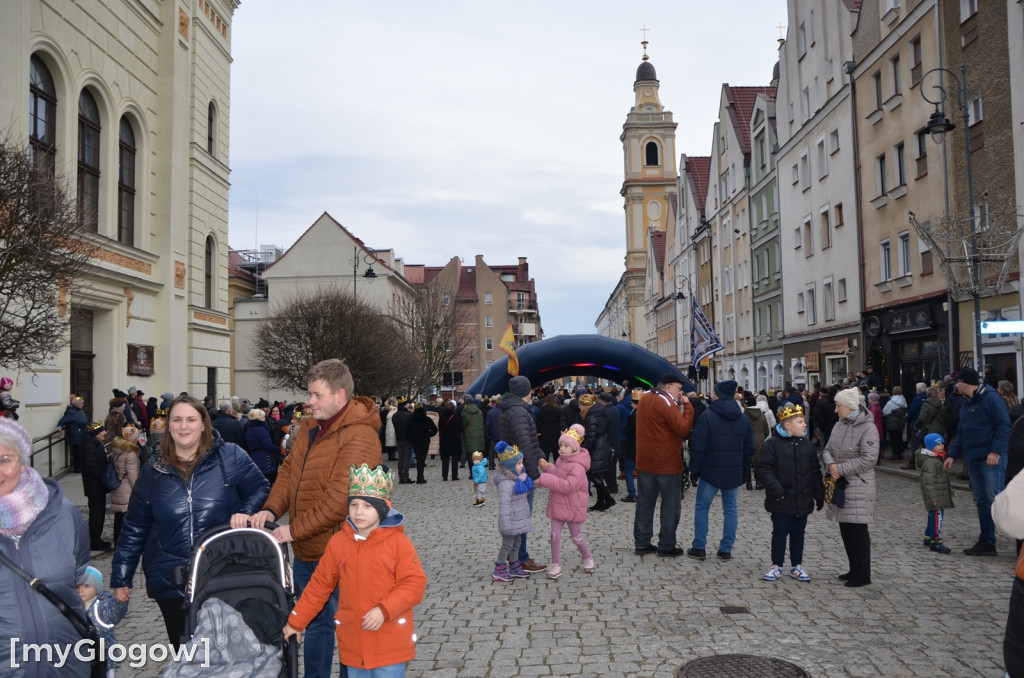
(555,571)
(774,573)
(588,564)
(800,573)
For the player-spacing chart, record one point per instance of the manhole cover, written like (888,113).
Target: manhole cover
(740,666)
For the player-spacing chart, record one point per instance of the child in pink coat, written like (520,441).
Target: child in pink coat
(567,502)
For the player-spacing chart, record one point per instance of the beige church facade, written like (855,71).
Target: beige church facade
(129,102)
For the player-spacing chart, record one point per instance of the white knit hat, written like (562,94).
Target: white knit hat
(850,398)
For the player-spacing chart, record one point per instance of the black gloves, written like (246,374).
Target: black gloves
(819,504)
(694,478)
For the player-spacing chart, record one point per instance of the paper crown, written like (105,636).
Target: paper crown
(574,434)
(157,425)
(587,399)
(403,400)
(94,426)
(789,410)
(366,482)
(637,393)
(161,413)
(509,452)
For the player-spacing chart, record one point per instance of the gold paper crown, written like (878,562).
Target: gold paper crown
(789,410)
(161,413)
(94,426)
(366,482)
(637,393)
(508,453)
(574,434)
(587,399)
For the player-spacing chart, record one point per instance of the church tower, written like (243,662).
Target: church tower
(649,152)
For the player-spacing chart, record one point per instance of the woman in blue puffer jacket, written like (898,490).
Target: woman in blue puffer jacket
(197,481)
(261,445)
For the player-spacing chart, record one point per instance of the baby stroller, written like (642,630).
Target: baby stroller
(249,571)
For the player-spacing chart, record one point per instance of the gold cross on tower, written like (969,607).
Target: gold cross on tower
(644,41)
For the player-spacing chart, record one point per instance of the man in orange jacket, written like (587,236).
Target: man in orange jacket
(339,431)
(663,420)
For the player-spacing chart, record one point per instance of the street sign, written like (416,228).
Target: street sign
(1002,326)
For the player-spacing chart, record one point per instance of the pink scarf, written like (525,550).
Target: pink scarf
(23,504)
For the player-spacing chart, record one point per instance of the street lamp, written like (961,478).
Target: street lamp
(369,258)
(938,125)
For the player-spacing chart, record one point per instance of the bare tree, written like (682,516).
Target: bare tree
(434,322)
(43,250)
(330,323)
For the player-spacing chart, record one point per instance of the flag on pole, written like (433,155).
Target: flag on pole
(508,345)
(703,340)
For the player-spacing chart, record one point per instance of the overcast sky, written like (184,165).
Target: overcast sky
(445,128)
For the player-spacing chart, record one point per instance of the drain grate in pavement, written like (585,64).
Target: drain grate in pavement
(740,666)
(734,610)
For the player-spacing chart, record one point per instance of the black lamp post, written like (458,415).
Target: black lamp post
(938,125)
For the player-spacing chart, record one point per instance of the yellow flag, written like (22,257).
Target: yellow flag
(508,345)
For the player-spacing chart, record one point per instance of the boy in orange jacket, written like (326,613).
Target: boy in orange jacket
(378,575)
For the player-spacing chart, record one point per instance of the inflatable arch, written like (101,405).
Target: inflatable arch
(579,354)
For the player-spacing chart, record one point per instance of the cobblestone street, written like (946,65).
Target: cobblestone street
(925,614)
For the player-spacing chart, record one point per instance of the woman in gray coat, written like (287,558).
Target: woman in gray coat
(851,454)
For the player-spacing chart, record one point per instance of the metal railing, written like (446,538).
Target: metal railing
(45,445)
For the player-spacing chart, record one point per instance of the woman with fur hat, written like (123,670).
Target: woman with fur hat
(512,485)
(851,453)
(567,502)
(124,451)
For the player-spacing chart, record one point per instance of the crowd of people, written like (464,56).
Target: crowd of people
(181,466)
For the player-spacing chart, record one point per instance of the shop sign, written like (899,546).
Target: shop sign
(910,320)
(835,346)
(811,362)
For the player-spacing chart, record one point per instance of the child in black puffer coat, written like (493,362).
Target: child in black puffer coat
(789,469)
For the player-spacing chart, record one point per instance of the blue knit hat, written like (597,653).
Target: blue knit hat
(508,455)
(933,439)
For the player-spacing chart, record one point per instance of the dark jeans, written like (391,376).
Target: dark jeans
(175,617)
(404,450)
(898,446)
(858,548)
(793,528)
(421,461)
(118,521)
(97,515)
(318,641)
(450,458)
(649,487)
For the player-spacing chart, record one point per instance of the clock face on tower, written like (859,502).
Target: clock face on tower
(647,91)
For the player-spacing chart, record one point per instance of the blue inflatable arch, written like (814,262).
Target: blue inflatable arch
(579,354)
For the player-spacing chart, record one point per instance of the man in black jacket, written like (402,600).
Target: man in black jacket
(403,439)
(227,425)
(518,428)
(93,459)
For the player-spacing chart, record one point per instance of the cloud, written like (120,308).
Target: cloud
(457,128)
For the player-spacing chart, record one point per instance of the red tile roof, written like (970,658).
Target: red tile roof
(741,105)
(658,248)
(699,168)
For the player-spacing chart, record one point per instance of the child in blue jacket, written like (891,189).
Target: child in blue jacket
(479,477)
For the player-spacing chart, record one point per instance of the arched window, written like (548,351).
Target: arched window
(89,159)
(211,126)
(42,97)
(651,154)
(208,273)
(126,183)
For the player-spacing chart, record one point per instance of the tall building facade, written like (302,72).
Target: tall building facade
(816,163)
(648,146)
(130,102)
